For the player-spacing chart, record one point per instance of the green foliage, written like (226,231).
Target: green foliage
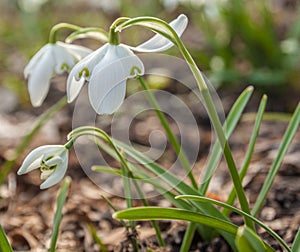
(248,241)
(4,243)
(243,42)
(160,213)
(58,214)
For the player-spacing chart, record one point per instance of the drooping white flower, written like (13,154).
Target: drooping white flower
(108,68)
(51,59)
(52,160)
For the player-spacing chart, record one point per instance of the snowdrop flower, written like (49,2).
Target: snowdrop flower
(53,58)
(108,68)
(52,160)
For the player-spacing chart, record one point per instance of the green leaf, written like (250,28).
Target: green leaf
(160,213)
(233,209)
(250,149)
(4,243)
(296,243)
(231,122)
(97,238)
(287,139)
(107,169)
(58,214)
(247,241)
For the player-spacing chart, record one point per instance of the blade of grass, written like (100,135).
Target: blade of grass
(4,243)
(236,210)
(96,238)
(160,213)
(296,243)
(127,193)
(248,241)
(229,125)
(287,139)
(58,214)
(250,150)
(9,164)
(106,169)
(115,209)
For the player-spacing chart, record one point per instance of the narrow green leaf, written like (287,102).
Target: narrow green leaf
(233,209)
(247,241)
(287,139)
(113,208)
(107,169)
(160,213)
(231,122)
(296,243)
(58,214)
(250,149)
(97,238)
(4,243)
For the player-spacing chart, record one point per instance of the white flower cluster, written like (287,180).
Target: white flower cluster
(106,70)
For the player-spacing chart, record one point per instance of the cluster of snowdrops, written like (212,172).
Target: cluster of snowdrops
(106,71)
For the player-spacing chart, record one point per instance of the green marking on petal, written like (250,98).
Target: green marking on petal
(84,72)
(65,67)
(135,71)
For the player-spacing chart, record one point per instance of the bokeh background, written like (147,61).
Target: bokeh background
(235,42)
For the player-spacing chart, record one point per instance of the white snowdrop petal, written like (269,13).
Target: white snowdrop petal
(54,161)
(73,88)
(107,86)
(39,79)
(82,71)
(29,162)
(34,165)
(57,175)
(109,100)
(159,43)
(87,63)
(35,59)
(64,61)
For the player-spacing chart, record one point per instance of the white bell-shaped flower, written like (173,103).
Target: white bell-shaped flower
(53,163)
(108,68)
(51,59)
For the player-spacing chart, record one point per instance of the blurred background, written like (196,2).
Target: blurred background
(235,42)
